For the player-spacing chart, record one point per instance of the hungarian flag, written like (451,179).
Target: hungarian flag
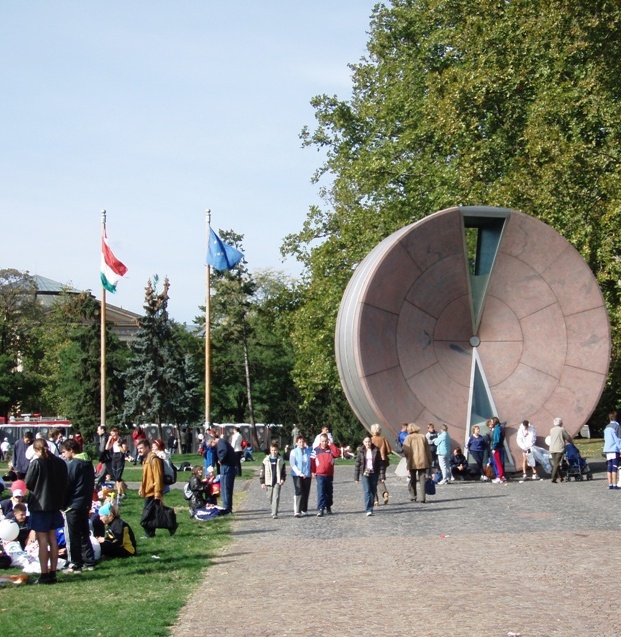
(111,268)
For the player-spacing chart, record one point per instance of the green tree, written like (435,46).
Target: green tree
(513,104)
(231,331)
(20,314)
(161,385)
(70,370)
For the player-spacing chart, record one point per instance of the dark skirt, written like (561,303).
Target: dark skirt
(117,465)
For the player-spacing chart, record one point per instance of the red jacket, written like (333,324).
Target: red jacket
(322,460)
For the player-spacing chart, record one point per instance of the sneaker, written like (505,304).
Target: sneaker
(451,479)
(524,477)
(535,476)
(497,481)
(442,482)
(297,515)
(88,567)
(72,569)
(369,513)
(320,514)
(484,479)
(274,517)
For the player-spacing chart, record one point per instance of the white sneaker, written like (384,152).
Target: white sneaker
(497,481)
(442,482)
(535,477)
(451,479)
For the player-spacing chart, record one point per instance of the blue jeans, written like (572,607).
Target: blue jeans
(324,492)
(369,487)
(227,483)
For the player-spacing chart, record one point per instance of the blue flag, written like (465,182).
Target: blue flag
(221,256)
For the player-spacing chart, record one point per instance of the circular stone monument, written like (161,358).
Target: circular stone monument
(469,313)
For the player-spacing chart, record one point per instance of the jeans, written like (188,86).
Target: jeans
(227,483)
(325,491)
(369,487)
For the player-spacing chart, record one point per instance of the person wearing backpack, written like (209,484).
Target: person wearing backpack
(170,471)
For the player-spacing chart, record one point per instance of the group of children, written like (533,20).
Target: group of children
(111,536)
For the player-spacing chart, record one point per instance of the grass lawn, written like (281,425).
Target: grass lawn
(131,597)
(590,447)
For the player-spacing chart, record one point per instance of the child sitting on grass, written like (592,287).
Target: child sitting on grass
(119,540)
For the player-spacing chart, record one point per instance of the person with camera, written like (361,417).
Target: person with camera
(367,469)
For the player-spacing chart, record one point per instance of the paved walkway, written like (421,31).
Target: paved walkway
(480,559)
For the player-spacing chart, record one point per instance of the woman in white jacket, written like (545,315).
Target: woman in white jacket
(526,438)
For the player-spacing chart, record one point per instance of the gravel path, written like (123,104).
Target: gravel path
(534,559)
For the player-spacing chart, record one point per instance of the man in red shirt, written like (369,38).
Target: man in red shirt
(322,469)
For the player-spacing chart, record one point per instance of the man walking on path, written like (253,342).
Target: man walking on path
(418,457)
(322,468)
(558,439)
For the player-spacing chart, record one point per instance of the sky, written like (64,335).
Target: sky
(157,111)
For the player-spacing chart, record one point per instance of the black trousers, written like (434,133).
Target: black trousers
(302,487)
(78,539)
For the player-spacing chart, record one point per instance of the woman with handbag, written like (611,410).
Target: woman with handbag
(367,469)
(384,448)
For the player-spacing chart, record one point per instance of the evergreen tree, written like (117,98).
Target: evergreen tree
(160,383)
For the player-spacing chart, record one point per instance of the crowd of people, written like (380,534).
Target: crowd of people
(72,518)
(429,456)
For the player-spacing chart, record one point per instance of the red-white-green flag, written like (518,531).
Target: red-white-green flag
(111,268)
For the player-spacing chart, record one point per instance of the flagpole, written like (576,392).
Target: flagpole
(102,372)
(208,331)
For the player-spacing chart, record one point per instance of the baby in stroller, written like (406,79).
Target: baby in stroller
(575,465)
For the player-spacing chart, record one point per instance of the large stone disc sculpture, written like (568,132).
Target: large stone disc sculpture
(469,313)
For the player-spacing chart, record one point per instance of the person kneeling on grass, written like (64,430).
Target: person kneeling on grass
(119,540)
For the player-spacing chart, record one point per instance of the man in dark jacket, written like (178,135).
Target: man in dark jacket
(81,483)
(20,462)
(227,459)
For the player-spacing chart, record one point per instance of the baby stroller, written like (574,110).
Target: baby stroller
(575,466)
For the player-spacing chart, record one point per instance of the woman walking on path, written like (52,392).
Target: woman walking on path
(300,464)
(368,466)
(384,448)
